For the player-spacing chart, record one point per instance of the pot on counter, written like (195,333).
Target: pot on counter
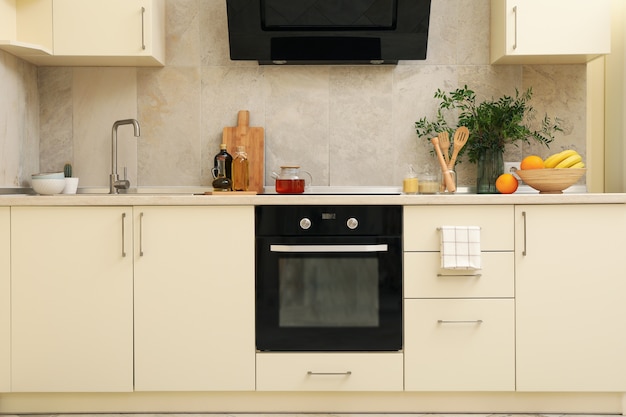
(289,180)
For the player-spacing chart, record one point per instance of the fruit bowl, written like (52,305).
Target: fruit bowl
(551,180)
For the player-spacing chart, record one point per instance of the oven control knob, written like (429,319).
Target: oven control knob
(352,223)
(305,223)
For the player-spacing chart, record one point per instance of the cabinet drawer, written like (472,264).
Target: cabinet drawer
(329,371)
(423,277)
(421,225)
(448,349)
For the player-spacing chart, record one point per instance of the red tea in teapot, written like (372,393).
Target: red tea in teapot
(290,186)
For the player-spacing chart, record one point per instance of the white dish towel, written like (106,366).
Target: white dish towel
(460,247)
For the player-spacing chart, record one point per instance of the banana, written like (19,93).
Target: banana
(580,164)
(569,161)
(553,160)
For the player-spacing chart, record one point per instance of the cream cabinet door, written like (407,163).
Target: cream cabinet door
(108,28)
(555,31)
(570,297)
(72,306)
(459,345)
(5,299)
(194,298)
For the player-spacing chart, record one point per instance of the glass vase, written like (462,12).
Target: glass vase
(490,167)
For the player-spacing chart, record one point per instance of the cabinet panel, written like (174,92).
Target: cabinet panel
(421,223)
(194,298)
(555,31)
(423,277)
(5,300)
(329,371)
(570,289)
(448,349)
(72,305)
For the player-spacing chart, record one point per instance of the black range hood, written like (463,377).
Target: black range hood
(328,31)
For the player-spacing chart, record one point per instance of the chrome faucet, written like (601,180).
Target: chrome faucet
(115,184)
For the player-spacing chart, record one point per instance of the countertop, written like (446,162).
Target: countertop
(180,196)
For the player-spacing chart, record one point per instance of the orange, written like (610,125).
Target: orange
(532,162)
(506,184)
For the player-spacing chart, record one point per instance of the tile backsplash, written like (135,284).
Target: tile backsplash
(346,125)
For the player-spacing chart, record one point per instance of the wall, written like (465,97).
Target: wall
(615,148)
(19,121)
(347,125)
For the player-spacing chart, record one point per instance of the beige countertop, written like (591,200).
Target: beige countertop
(179,199)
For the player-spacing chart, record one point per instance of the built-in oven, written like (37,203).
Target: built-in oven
(329,278)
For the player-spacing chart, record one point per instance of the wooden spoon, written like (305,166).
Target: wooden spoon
(444,144)
(460,138)
(444,168)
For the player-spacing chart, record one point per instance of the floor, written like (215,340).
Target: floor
(313,415)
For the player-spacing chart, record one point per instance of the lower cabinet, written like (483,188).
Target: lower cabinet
(329,371)
(5,299)
(459,345)
(571,297)
(72,299)
(194,298)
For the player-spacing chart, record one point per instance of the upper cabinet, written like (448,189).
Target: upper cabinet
(85,32)
(549,32)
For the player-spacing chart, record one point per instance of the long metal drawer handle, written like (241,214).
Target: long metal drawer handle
(141,234)
(459,321)
(524,217)
(329,373)
(123,235)
(515,32)
(329,248)
(143,29)
(460,275)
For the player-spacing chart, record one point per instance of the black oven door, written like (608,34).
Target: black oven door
(329,293)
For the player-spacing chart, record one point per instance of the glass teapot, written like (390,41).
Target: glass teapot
(289,181)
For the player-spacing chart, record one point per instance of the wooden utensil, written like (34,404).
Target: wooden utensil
(253,138)
(444,168)
(444,144)
(460,138)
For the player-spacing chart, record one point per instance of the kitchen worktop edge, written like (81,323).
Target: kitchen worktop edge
(303,199)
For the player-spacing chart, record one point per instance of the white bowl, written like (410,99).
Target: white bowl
(48,175)
(48,186)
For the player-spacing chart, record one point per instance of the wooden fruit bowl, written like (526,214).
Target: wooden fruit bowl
(551,180)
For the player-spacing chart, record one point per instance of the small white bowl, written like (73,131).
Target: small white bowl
(48,175)
(48,186)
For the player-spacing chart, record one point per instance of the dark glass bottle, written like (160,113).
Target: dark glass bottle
(221,182)
(228,161)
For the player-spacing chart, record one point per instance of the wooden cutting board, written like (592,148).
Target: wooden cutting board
(253,138)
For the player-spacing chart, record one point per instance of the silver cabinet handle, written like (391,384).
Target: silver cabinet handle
(524,217)
(515,27)
(143,31)
(123,234)
(329,248)
(459,321)
(460,275)
(141,234)
(329,373)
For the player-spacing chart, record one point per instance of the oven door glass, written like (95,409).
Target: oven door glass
(329,294)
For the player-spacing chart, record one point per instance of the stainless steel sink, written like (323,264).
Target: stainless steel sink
(173,190)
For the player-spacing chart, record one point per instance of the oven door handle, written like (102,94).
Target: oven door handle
(330,248)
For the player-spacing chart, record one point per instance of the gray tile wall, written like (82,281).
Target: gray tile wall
(346,125)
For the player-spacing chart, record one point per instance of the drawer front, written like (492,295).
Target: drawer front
(447,349)
(423,277)
(421,225)
(330,371)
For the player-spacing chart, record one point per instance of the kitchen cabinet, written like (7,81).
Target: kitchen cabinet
(88,32)
(5,299)
(549,32)
(459,324)
(72,299)
(194,298)
(570,286)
